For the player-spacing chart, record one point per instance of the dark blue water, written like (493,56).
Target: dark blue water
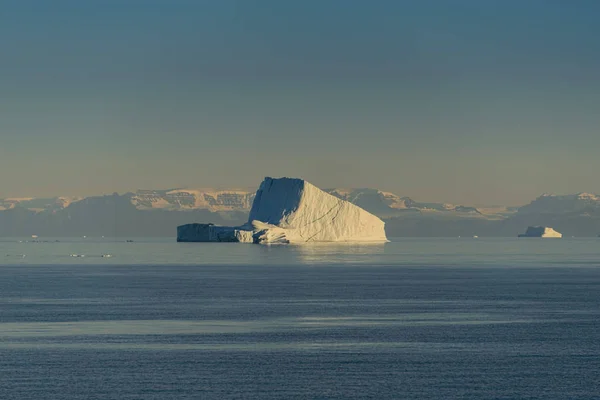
(302,330)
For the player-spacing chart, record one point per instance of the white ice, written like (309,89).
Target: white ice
(288,210)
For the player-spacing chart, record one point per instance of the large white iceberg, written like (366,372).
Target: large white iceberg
(541,231)
(287,210)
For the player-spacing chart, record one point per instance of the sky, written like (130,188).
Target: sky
(463,101)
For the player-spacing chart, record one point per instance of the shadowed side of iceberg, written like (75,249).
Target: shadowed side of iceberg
(213,233)
(277,201)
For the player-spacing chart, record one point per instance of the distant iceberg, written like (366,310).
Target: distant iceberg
(541,231)
(288,210)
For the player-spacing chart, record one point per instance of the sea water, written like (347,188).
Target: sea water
(414,318)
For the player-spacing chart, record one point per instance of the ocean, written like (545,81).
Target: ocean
(452,318)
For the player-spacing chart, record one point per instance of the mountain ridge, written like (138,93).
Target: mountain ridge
(159,212)
(373,200)
(182,199)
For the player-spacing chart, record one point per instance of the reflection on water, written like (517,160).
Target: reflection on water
(407,251)
(167,252)
(23,330)
(316,253)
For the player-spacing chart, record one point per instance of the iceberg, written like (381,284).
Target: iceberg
(288,210)
(541,231)
(212,233)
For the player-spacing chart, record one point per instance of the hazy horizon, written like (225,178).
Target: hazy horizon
(465,102)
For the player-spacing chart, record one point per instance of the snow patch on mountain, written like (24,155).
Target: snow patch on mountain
(193,199)
(386,204)
(51,204)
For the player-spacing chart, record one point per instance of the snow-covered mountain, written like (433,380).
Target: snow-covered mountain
(193,199)
(166,200)
(572,215)
(581,203)
(383,204)
(386,204)
(38,204)
(158,212)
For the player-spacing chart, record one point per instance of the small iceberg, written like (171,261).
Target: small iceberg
(541,232)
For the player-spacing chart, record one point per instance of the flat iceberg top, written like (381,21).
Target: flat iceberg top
(288,210)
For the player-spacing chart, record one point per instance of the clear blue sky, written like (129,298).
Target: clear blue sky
(478,101)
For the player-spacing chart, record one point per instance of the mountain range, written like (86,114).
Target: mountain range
(158,212)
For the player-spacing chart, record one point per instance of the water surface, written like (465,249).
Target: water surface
(414,318)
